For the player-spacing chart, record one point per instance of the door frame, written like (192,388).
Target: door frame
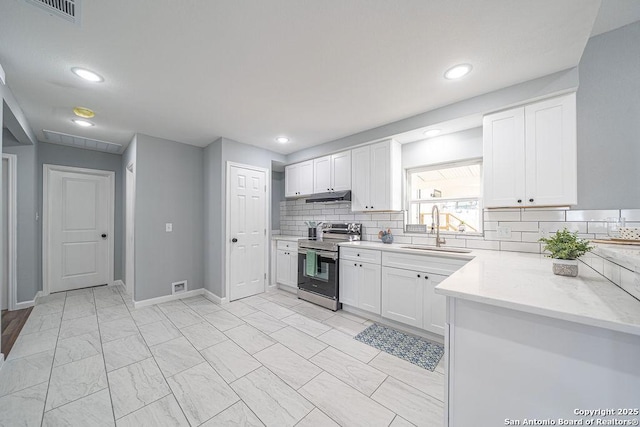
(227,260)
(12,226)
(47,169)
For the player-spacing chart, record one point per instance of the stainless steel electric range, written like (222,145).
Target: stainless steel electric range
(319,283)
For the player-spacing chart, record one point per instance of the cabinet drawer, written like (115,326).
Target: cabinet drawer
(424,263)
(362,255)
(286,244)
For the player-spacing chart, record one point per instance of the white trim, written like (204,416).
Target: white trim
(214,298)
(1,360)
(267,183)
(129,229)
(26,304)
(46,171)
(167,298)
(12,225)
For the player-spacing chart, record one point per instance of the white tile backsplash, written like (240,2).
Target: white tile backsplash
(592,215)
(538,215)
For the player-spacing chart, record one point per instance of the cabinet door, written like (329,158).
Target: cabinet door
(305,178)
(434,305)
(341,171)
(360,176)
(293,268)
(402,295)
(551,153)
(504,158)
(322,174)
(380,175)
(349,277)
(282,267)
(291,180)
(369,287)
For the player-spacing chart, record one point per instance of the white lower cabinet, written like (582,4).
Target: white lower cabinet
(287,267)
(360,285)
(402,296)
(434,305)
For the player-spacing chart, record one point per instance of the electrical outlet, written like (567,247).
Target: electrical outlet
(168,227)
(504,232)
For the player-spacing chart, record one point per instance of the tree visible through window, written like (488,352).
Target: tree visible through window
(455,188)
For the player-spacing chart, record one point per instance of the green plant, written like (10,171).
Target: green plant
(565,245)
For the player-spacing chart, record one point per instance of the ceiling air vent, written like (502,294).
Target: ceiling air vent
(66,9)
(81,142)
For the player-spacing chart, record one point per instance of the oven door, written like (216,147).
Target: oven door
(325,281)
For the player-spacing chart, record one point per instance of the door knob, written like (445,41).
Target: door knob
(104,236)
(234,240)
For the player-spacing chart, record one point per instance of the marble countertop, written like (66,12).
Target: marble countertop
(285,237)
(402,248)
(524,282)
(626,256)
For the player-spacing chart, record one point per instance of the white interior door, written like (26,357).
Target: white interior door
(129,273)
(4,287)
(247,203)
(79,227)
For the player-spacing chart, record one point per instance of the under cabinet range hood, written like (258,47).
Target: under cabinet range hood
(335,196)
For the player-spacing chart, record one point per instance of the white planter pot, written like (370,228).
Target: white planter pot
(565,267)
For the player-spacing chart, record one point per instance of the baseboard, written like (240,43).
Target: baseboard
(26,304)
(214,298)
(167,298)
(118,282)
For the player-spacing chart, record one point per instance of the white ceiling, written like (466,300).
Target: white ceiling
(253,70)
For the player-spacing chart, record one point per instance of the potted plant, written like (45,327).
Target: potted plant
(565,248)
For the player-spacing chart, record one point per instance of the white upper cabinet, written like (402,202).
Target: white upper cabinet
(376,174)
(298,179)
(332,173)
(530,155)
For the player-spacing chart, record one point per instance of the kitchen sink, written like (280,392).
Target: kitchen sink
(439,249)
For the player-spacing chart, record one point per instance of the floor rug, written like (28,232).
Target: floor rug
(408,347)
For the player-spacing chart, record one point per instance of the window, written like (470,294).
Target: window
(455,188)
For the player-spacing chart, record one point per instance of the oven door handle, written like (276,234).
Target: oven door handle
(323,254)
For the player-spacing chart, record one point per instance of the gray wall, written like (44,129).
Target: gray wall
(608,104)
(169,188)
(29,263)
(277,195)
(62,155)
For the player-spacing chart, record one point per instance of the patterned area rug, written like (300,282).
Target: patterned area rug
(412,349)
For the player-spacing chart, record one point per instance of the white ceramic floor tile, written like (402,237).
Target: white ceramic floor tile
(411,404)
(255,300)
(109,301)
(77,348)
(344,404)
(135,386)
(80,326)
(146,315)
(347,344)
(306,325)
(351,316)
(273,401)
(125,351)
(201,393)
(78,299)
(317,418)
(355,373)
(24,407)
(41,323)
(48,308)
(223,320)
(184,318)
(249,338)
(112,312)
(19,374)
(175,356)
(168,307)
(93,410)
(163,412)
(264,322)
(159,332)
(75,380)
(203,335)
(345,325)
(313,311)
(54,297)
(286,300)
(237,414)
(274,310)
(26,345)
(296,340)
(116,329)
(230,361)
(205,307)
(398,421)
(105,291)
(238,308)
(431,383)
(292,368)
(76,310)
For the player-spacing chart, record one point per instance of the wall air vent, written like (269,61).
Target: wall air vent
(65,9)
(81,142)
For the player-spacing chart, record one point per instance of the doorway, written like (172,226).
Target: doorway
(247,218)
(78,228)
(129,263)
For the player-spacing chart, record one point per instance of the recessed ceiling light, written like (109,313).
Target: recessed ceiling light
(87,74)
(282,139)
(83,112)
(458,71)
(83,123)
(432,132)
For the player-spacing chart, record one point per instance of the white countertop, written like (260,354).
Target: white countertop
(285,237)
(626,256)
(524,282)
(402,248)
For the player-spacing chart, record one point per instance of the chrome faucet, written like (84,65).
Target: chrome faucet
(435,223)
